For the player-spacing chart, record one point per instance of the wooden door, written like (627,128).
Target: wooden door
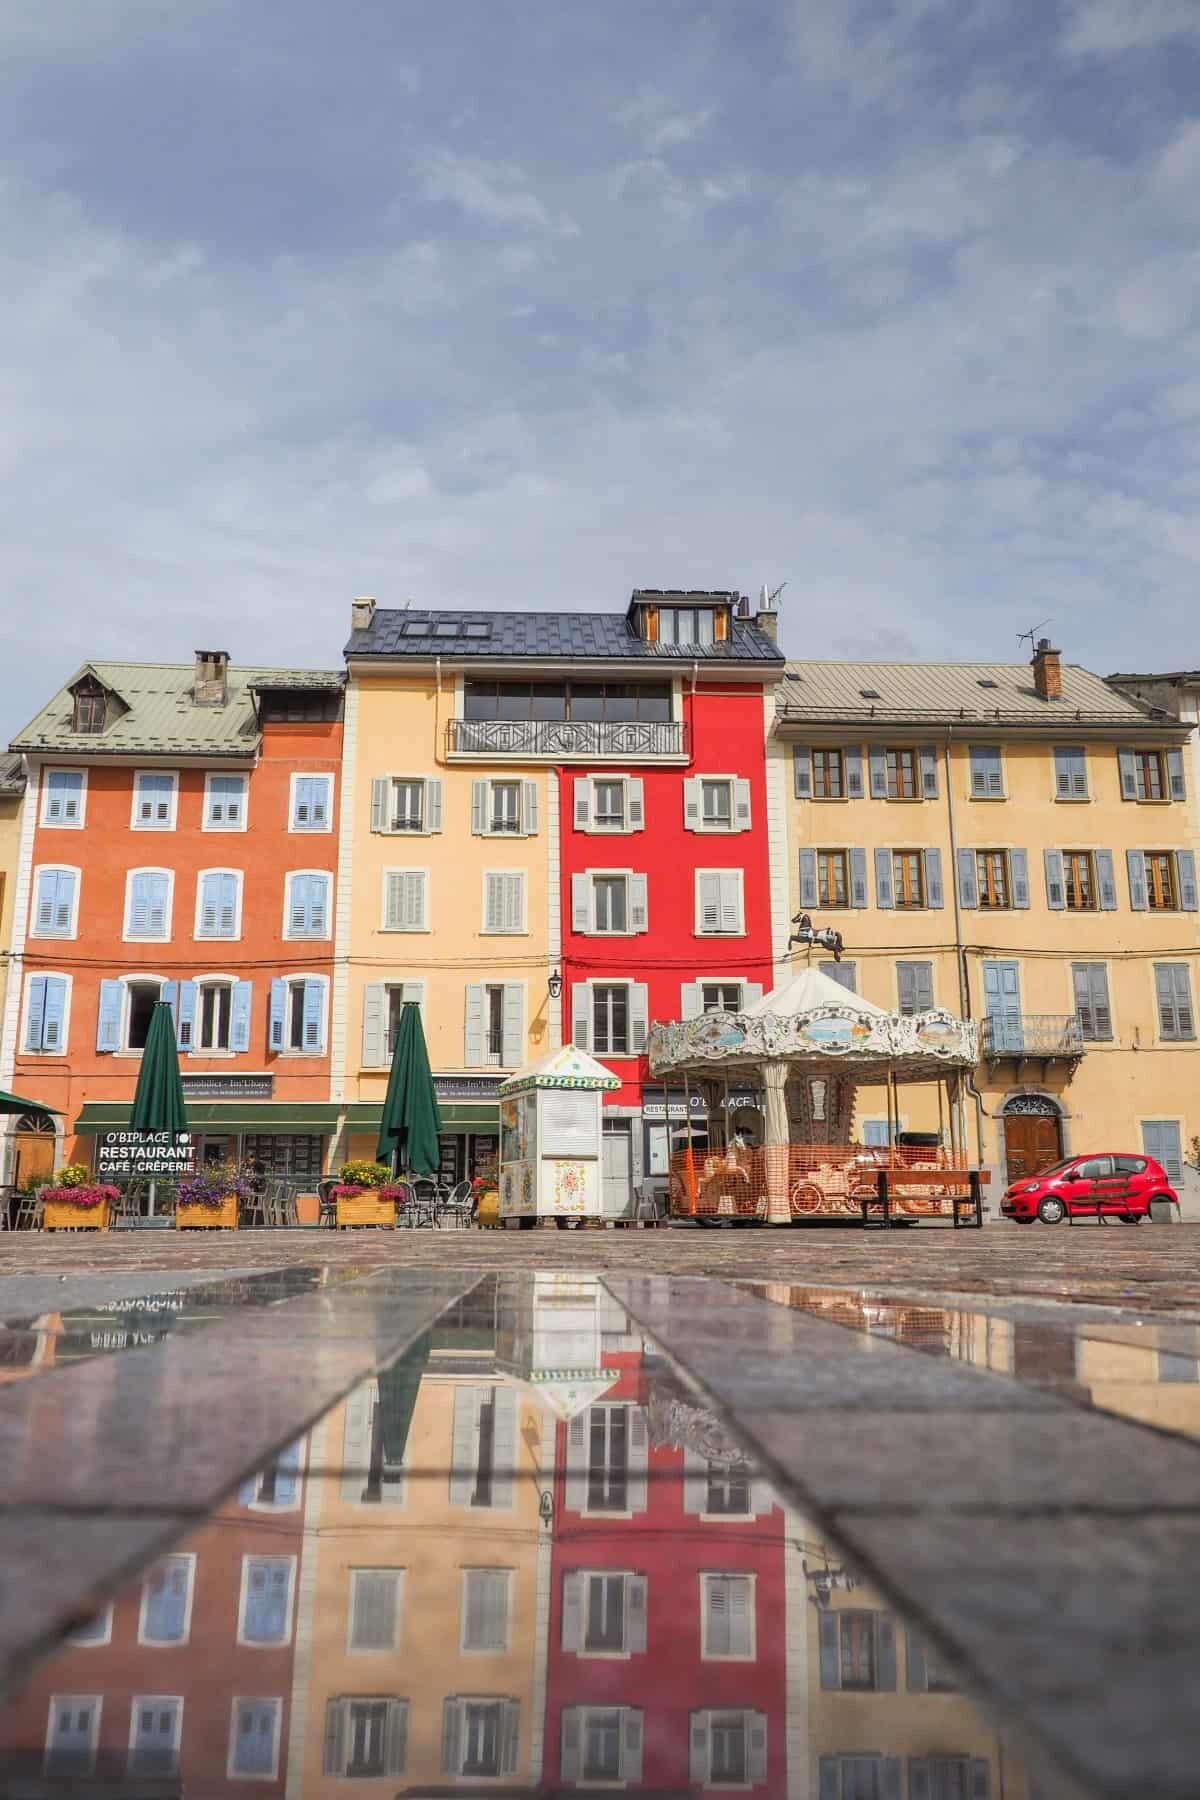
(1032,1141)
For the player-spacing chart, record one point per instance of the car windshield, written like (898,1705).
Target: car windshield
(1054,1169)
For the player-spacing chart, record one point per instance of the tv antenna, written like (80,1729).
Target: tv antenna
(1031,634)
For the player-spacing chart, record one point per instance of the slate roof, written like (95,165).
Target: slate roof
(947,692)
(162,719)
(546,636)
(12,775)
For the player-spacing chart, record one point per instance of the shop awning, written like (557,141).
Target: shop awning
(364,1115)
(13,1103)
(304,1118)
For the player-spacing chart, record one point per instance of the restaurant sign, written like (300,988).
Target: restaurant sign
(228,1087)
(153,1154)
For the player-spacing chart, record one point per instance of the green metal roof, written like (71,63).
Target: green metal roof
(364,1115)
(216,1115)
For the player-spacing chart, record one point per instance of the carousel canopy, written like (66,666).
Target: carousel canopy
(565,1068)
(808,989)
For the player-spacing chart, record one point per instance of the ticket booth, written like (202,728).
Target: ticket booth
(550,1139)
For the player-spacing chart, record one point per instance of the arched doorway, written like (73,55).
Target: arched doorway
(1032,1135)
(34,1144)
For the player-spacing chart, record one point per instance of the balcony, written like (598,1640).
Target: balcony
(1045,1037)
(568,740)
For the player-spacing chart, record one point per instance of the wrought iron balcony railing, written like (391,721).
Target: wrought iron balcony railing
(562,739)
(1033,1034)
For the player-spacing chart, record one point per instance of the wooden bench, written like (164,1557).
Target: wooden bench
(966,1210)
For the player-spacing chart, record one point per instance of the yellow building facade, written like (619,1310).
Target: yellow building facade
(1018,844)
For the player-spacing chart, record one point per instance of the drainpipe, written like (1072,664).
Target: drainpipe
(960,954)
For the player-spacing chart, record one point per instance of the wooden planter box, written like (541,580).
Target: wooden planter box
(60,1215)
(367,1208)
(219,1218)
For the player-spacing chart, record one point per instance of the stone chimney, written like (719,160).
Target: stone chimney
(767,616)
(211,685)
(1047,670)
(362,611)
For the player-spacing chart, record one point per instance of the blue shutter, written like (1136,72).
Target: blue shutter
(139,906)
(64,795)
(278,1014)
(108,1018)
(1135,863)
(830,1653)
(35,1012)
(314,1015)
(168,995)
(1106,880)
(1056,887)
(886,1627)
(298,906)
(802,771)
(158,905)
(185,1023)
(1185,869)
(1127,763)
(968,887)
(1019,865)
(852,763)
(858,878)
(210,905)
(883,878)
(318,901)
(934,895)
(1175,775)
(227,917)
(287,1475)
(878,761)
(54,903)
(55,1014)
(239,1016)
(808,879)
(929,772)
(302,803)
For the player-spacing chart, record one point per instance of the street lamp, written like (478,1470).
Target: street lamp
(554,985)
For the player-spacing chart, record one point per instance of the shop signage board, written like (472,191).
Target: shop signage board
(156,1155)
(467,1087)
(228,1087)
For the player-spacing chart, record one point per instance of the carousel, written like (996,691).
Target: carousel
(809,1047)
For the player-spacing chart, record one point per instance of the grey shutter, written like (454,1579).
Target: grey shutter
(479,808)
(577,1462)
(639,1016)
(731,900)
(583,802)
(639,905)
(396,1737)
(452,1712)
(695,1481)
(980,1779)
(886,1627)
(1056,896)
(756,1724)
(631,1745)
(376,1595)
(751,991)
(581,902)
(830,1778)
(1127,763)
(474,1045)
(356,1442)
(529,808)
(493,902)
(374,1026)
(852,764)
(464,1434)
(1106,880)
(433,806)
(929,771)
(504,1445)
(859,892)
(513,1048)
(889,1771)
(709,897)
(581,1015)
(691,1000)
(919,1778)
(1135,863)
(1185,874)
(883,878)
(510,1736)
(638,1458)
(934,893)
(691,803)
(108,1021)
(831,1662)
(335,1736)
(572,1743)
(1175,775)
(635,800)
(741,805)
(906,987)
(808,879)
(923,984)
(635,1613)
(762,1498)
(380,797)
(572,1609)
(914,1662)
(1019,865)
(698,1741)
(968,889)
(802,771)
(877,759)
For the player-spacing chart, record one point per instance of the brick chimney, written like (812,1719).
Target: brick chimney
(362,611)
(1047,670)
(767,617)
(210,685)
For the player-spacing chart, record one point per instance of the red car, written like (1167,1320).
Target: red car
(1115,1187)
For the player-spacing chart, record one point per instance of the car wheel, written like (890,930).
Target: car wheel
(1023,1221)
(1130,1218)
(1051,1210)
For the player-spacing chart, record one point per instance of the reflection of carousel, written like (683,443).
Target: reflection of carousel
(810,1045)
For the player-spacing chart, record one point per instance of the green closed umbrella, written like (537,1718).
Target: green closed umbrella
(158,1102)
(408,1130)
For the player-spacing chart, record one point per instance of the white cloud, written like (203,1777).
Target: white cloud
(1115,27)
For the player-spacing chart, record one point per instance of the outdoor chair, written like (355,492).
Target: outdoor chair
(650,1207)
(254,1210)
(457,1208)
(425,1196)
(327,1205)
(29,1211)
(405,1208)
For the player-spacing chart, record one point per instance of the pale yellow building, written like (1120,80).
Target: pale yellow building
(1018,844)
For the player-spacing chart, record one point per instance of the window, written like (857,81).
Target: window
(609,799)
(155,1724)
(609,803)
(1148,768)
(504,901)
(716,803)
(47,999)
(55,903)
(405,900)
(1152,775)
(876,1133)
(366,1736)
(296,1021)
(1163,880)
(1160,1139)
(604,1612)
(914,987)
(1070,772)
(610,1018)
(72,1728)
(721,996)
(306,905)
(141,998)
(484,1447)
(154,802)
(947,1778)
(266,1609)
(1173,992)
(908,878)
(400,995)
(493,1024)
(167,1601)
(213,1015)
(480,1737)
(719,903)
(219,904)
(374,1442)
(844,973)
(311,803)
(991,875)
(90,709)
(1079,879)
(1160,881)
(860,1777)
(727,1612)
(828,775)
(833,880)
(858,1651)
(903,775)
(254,1737)
(616,702)
(925,1670)
(148,894)
(602,1744)
(277,1487)
(504,808)
(211,1027)
(299,707)
(504,813)
(987,772)
(96,1630)
(64,797)
(375,1608)
(685,624)
(610,904)
(225,803)
(485,1610)
(606,1460)
(402,803)
(729,1749)
(1089,985)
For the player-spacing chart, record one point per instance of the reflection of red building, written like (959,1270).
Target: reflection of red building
(187,1674)
(667,1654)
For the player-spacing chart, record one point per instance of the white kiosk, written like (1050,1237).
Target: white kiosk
(550,1138)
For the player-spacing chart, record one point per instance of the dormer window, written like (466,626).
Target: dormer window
(685,625)
(90,708)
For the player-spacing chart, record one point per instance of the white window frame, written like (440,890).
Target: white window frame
(232,1772)
(57,975)
(737,981)
(466,1649)
(401,1584)
(96,1643)
(405,869)
(243,1594)
(726,1656)
(298,978)
(55,868)
(605,981)
(489,829)
(127,935)
(720,1784)
(188,1557)
(626,875)
(138,1700)
(392,777)
(307,937)
(624,1654)
(271,1507)
(702,825)
(136,824)
(226,775)
(310,775)
(594,826)
(583,1715)
(127,982)
(200,982)
(63,824)
(239,882)
(95,1701)
(521,930)
(741,890)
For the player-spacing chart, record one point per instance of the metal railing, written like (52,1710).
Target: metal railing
(561,738)
(1033,1034)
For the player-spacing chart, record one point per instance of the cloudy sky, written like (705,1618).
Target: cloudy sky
(527,302)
